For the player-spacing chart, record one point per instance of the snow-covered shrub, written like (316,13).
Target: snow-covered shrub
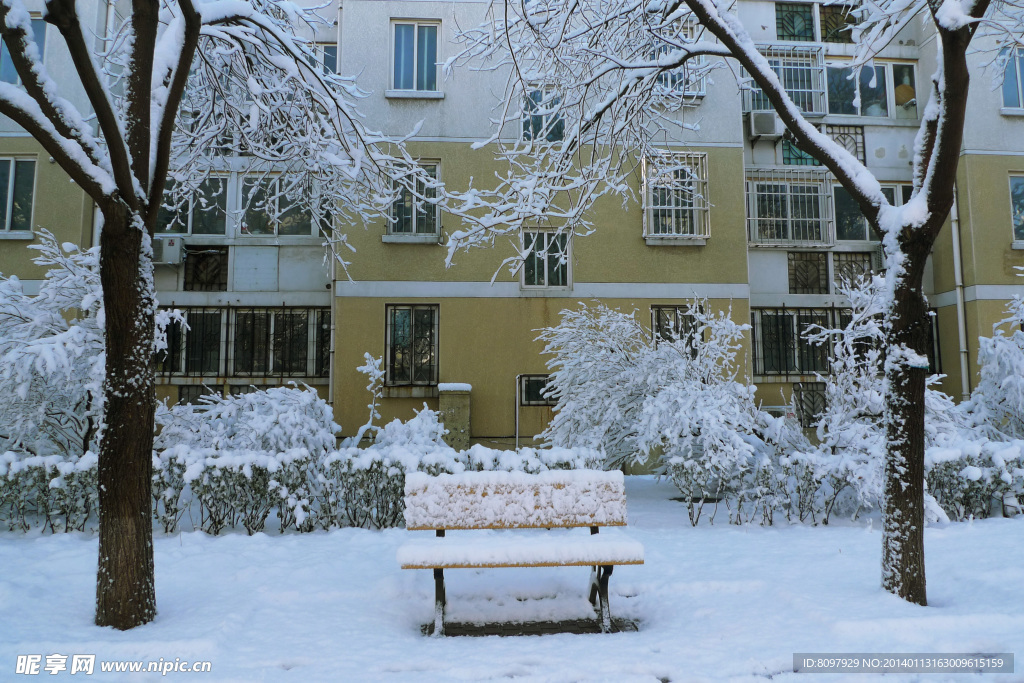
(52,354)
(272,420)
(531,460)
(975,479)
(170,497)
(996,405)
(50,492)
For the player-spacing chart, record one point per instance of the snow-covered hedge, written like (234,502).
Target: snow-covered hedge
(977,479)
(49,491)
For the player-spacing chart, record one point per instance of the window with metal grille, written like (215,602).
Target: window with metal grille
(676,187)
(801,70)
(836,23)
(206,269)
(411,215)
(547,260)
(248,342)
(542,115)
(779,343)
(794,21)
(794,156)
(789,207)
(808,272)
(851,266)
(411,344)
(684,79)
(531,391)
(850,137)
(809,400)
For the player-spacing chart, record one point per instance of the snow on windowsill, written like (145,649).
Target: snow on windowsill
(410,239)
(17,235)
(414,94)
(1011,111)
(1017,244)
(454,386)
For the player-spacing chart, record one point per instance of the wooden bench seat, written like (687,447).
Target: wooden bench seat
(490,502)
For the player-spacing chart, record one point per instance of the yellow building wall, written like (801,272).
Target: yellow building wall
(59,206)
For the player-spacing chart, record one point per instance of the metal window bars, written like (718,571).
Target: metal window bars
(412,353)
(247,342)
(809,400)
(801,70)
(676,195)
(789,207)
(777,337)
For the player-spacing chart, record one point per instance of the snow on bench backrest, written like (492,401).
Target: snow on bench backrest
(510,500)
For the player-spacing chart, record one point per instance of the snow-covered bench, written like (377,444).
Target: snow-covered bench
(514,500)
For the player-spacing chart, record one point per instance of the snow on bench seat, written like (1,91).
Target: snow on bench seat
(514,500)
(552,549)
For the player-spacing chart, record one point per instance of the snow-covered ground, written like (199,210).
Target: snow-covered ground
(713,603)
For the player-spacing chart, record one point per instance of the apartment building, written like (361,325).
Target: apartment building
(265,307)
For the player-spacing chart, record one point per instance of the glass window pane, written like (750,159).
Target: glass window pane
(772,210)
(294,218)
(873,98)
(39,35)
(170,219)
(1011,92)
(841,91)
(426,58)
(777,343)
(7,72)
(331,58)
(906,192)
(257,219)
(202,343)
(794,21)
(404,56)
(252,342)
(401,212)
(533,266)
(836,22)
(399,357)
(5,183)
(423,345)
(904,91)
(1017,206)
(558,261)
(850,222)
(21,202)
(210,207)
(426,213)
(291,337)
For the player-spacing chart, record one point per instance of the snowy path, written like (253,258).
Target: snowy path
(714,603)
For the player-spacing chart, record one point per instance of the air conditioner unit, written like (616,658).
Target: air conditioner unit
(766,124)
(878,258)
(168,250)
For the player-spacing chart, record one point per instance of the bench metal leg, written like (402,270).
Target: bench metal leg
(606,612)
(439,602)
(593,587)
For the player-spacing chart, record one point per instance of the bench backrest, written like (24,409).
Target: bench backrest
(514,500)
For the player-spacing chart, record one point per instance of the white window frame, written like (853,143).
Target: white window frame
(393,89)
(789,176)
(1017,59)
(320,53)
(391,235)
(547,278)
(794,55)
(7,231)
(191,201)
(890,91)
(691,190)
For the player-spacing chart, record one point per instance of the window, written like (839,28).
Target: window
(850,222)
(788,207)
(269,211)
(413,216)
(531,391)
(206,269)
(794,156)
(681,81)
(191,393)
(809,401)
(203,213)
(248,342)
(542,116)
(1013,80)
(415,56)
(17,186)
(850,137)
(411,344)
(851,266)
(808,272)
(778,338)
(1017,206)
(326,55)
(796,22)
(8,73)
(801,70)
(671,323)
(547,259)
(886,90)
(676,194)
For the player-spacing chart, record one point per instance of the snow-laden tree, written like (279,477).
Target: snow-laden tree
(180,87)
(602,68)
(997,403)
(631,395)
(51,355)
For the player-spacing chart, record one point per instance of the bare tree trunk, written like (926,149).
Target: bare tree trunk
(903,529)
(125,594)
